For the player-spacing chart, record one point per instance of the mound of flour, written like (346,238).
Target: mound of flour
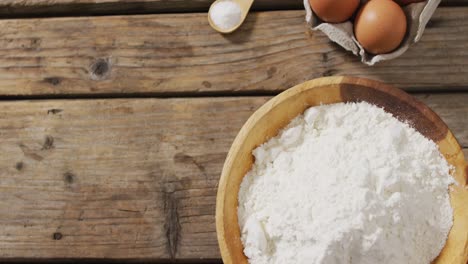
(346,183)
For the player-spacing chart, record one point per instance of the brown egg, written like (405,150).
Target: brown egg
(334,11)
(380,26)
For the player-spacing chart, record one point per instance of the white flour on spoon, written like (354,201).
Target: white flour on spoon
(346,183)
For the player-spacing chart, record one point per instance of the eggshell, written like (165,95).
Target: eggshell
(380,26)
(334,11)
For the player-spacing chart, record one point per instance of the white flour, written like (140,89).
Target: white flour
(346,183)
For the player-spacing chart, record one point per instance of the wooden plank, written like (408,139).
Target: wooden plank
(125,178)
(24,8)
(133,178)
(160,54)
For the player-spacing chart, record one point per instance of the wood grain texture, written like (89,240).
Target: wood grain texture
(113,178)
(169,54)
(25,8)
(126,178)
(12,8)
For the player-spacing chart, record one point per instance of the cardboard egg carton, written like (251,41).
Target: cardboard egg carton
(417,16)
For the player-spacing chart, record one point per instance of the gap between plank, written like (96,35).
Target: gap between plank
(130,8)
(110,261)
(60,9)
(184,95)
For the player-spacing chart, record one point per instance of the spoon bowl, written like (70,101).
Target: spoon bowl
(266,122)
(244,6)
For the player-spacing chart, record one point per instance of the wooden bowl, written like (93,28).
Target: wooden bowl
(279,111)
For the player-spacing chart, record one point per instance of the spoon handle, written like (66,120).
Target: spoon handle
(245,6)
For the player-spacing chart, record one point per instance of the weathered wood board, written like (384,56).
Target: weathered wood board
(9,8)
(169,54)
(126,178)
(136,179)
(96,7)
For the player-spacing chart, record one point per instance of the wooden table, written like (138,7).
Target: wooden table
(114,129)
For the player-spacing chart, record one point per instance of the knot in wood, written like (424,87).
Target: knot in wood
(100,69)
(57,236)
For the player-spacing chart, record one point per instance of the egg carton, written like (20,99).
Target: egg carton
(417,16)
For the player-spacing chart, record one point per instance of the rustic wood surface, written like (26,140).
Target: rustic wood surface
(181,54)
(83,178)
(11,8)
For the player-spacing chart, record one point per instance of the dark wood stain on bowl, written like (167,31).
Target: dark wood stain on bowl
(397,102)
(466,173)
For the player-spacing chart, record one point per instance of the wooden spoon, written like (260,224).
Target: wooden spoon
(279,111)
(244,6)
